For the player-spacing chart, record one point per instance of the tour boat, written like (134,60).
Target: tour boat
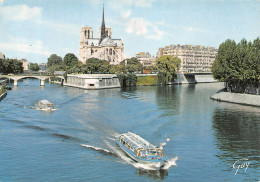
(45,105)
(141,150)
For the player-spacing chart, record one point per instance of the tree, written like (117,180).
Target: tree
(238,63)
(94,65)
(132,65)
(55,63)
(127,80)
(54,68)
(11,66)
(34,67)
(70,60)
(224,61)
(121,69)
(167,67)
(54,60)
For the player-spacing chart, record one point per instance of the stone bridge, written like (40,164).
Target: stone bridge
(40,77)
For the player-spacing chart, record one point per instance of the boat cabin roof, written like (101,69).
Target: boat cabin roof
(136,141)
(45,102)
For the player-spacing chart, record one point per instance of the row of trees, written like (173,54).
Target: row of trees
(238,62)
(167,67)
(71,64)
(10,66)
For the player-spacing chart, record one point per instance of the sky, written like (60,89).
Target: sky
(35,29)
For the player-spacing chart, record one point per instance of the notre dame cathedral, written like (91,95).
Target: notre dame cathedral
(103,47)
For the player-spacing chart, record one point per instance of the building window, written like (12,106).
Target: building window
(110,51)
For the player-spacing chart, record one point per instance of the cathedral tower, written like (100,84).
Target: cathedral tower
(103,47)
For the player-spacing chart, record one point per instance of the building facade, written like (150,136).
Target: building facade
(25,64)
(93,81)
(42,66)
(146,59)
(103,47)
(193,58)
(2,56)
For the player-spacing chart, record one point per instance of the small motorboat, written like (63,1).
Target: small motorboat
(45,105)
(141,150)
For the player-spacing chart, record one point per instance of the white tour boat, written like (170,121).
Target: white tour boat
(141,150)
(45,105)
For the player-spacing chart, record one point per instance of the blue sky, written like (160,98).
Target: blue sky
(35,29)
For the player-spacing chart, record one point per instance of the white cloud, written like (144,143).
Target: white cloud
(19,13)
(24,46)
(137,25)
(23,13)
(126,14)
(143,27)
(158,34)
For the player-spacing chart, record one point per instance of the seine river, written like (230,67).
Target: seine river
(208,140)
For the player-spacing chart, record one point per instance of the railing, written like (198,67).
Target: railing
(36,74)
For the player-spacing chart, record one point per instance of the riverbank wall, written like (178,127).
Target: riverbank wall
(3,95)
(92,81)
(193,78)
(103,81)
(235,87)
(182,78)
(237,98)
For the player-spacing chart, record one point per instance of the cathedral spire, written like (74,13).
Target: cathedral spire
(103,27)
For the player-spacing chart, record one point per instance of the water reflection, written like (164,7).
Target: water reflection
(237,130)
(154,174)
(168,99)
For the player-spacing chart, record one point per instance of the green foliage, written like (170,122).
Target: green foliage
(133,65)
(127,80)
(55,63)
(238,62)
(54,60)
(70,60)
(58,67)
(94,65)
(10,66)
(147,80)
(2,89)
(121,69)
(121,78)
(34,67)
(167,67)
(65,75)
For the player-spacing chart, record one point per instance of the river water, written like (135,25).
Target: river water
(77,141)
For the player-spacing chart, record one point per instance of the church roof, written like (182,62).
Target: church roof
(107,42)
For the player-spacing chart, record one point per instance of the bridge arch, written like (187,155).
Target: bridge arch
(42,78)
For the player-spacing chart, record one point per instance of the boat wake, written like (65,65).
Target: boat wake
(170,162)
(121,154)
(153,167)
(97,149)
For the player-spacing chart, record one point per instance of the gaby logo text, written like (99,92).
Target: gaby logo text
(241,164)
